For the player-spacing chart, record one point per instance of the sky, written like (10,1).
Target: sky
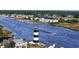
(39,5)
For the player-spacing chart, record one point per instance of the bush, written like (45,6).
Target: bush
(72,21)
(10,45)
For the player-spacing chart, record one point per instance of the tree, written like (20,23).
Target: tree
(4,34)
(7,45)
(1,32)
(72,21)
(10,45)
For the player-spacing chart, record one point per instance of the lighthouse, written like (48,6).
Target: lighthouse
(35,43)
(36,35)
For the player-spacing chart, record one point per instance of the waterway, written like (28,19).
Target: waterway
(48,35)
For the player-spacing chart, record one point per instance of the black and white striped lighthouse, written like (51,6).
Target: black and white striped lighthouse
(36,35)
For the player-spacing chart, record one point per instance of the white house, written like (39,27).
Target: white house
(3,15)
(20,43)
(70,16)
(55,20)
(13,15)
(41,19)
(26,16)
(36,18)
(48,20)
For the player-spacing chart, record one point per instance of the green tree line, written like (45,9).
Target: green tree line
(41,12)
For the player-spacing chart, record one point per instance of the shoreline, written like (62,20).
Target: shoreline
(50,25)
(58,25)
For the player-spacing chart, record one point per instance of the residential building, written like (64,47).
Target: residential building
(20,43)
(48,20)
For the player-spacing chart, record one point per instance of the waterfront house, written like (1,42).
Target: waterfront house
(3,15)
(36,18)
(13,15)
(26,16)
(45,20)
(7,15)
(70,16)
(18,16)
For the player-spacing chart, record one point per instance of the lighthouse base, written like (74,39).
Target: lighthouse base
(35,44)
(35,41)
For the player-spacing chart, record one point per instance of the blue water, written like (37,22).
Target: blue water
(47,34)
